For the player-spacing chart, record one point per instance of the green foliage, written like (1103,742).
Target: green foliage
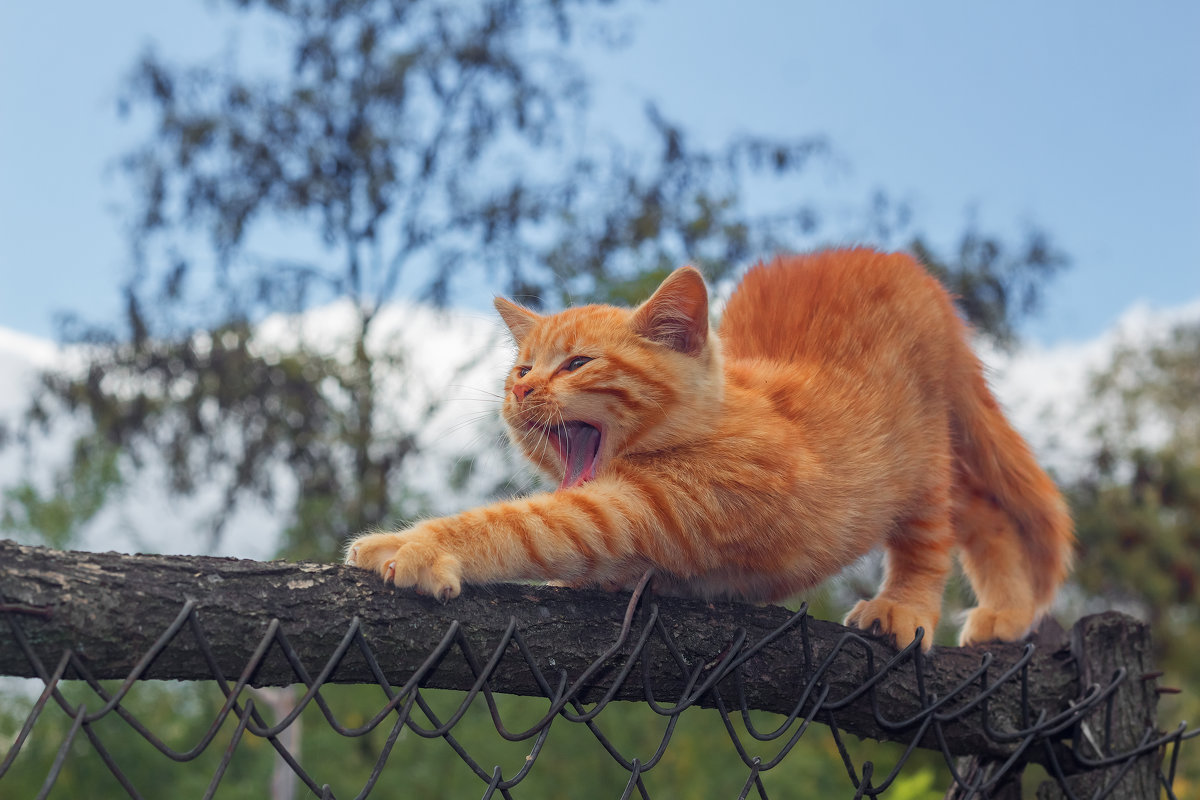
(995,283)
(396,151)
(631,224)
(178,713)
(429,147)
(78,494)
(700,761)
(1138,511)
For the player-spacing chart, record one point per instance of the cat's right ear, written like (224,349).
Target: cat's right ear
(520,320)
(676,315)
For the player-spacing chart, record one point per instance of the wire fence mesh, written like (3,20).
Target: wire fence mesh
(1074,737)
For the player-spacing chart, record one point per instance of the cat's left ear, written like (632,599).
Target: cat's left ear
(677,313)
(520,320)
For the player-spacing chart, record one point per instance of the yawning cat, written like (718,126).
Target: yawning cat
(837,408)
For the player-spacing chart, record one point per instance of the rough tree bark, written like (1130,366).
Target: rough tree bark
(110,608)
(1102,647)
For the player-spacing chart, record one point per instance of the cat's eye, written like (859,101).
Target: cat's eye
(522,372)
(575,363)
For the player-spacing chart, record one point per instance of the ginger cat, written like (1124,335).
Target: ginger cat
(838,407)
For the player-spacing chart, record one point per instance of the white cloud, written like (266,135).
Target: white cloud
(1046,391)
(454,365)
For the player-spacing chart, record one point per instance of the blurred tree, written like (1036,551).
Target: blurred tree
(404,150)
(996,283)
(1138,511)
(78,493)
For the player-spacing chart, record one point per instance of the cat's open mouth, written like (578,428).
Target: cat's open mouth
(578,444)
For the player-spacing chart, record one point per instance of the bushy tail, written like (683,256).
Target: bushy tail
(1005,498)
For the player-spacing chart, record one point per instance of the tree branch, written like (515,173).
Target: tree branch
(110,609)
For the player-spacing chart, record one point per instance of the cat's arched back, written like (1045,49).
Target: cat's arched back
(837,408)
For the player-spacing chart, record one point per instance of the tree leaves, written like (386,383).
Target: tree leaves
(1138,512)
(400,150)
(994,282)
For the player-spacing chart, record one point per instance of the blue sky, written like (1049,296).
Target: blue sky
(1081,117)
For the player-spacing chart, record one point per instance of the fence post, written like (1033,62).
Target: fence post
(1101,645)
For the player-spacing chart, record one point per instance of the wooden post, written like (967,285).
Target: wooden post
(1102,646)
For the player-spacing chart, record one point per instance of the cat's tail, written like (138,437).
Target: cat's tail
(1012,524)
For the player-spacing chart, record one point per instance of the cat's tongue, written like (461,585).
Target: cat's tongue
(581,446)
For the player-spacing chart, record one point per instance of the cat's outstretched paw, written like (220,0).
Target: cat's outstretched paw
(899,620)
(411,558)
(988,624)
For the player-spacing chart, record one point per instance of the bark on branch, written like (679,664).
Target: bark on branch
(109,609)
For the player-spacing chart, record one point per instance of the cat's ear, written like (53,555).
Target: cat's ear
(677,313)
(520,320)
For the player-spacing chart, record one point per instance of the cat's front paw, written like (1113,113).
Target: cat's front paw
(897,619)
(409,558)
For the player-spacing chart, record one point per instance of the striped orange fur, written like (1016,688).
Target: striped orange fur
(837,408)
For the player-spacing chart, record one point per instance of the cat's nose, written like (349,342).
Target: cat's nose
(520,390)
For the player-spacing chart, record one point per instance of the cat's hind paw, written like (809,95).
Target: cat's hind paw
(899,620)
(988,624)
(411,558)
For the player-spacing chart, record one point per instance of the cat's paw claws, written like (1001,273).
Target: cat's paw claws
(409,559)
(891,618)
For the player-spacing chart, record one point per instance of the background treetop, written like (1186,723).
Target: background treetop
(405,150)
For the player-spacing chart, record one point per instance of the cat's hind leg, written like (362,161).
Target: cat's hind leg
(918,557)
(998,568)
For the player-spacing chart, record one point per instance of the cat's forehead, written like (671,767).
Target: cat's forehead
(569,330)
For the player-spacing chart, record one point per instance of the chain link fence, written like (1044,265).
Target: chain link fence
(983,724)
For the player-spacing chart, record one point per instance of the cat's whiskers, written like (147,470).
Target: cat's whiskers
(497,448)
(487,395)
(544,427)
(472,455)
(567,441)
(466,421)
(528,482)
(553,412)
